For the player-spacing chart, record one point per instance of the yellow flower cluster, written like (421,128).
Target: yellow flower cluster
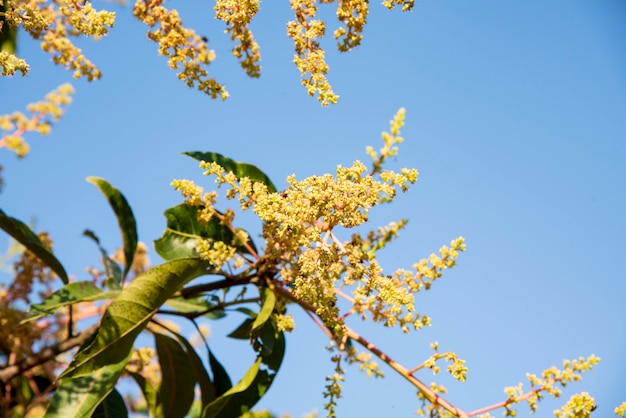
(15,125)
(456,367)
(353,13)
(237,15)
(10,64)
(407,5)
(365,362)
(390,139)
(53,21)
(578,406)
(186,51)
(194,195)
(621,410)
(334,387)
(305,261)
(391,299)
(217,252)
(298,228)
(284,322)
(306,31)
(571,372)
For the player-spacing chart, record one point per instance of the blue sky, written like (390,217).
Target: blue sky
(516,120)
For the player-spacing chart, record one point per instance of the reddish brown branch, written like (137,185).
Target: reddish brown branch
(350,333)
(422,387)
(45,355)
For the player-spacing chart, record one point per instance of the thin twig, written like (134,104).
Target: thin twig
(404,372)
(188,292)
(220,306)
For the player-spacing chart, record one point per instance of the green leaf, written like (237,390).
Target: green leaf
(125,218)
(69,295)
(192,305)
(255,383)
(242,332)
(207,388)
(220,377)
(238,168)
(215,409)
(111,268)
(130,311)
(78,396)
(177,371)
(268,299)
(112,406)
(246,311)
(8,35)
(266,338)
(184,232)
(151,395)
(22,233)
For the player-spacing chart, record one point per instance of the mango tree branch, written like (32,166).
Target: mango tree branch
(218,307)
(404,372)
(47,354)
(191,291)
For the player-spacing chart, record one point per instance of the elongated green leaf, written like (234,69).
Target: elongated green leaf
(129,313)
(255,383)
(79,396)
(111,268)
(268,301)
(215,409)
(207,388)
(242,332)
(112,406)
(246,311)
(22,233)
(177,372)
(69,295)
(184,232)
(196,305)
(238,168)
(125,218)
(151,395)
(220,376)
(189,305)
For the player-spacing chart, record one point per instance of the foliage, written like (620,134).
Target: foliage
(308,260)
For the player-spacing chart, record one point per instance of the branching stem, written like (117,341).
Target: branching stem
(404,372)
(47,354)
(428,393)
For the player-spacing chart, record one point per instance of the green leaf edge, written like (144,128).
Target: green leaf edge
(125,219)
(23,234)
(240,169)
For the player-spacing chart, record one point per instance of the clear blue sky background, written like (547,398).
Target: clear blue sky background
(516,120)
